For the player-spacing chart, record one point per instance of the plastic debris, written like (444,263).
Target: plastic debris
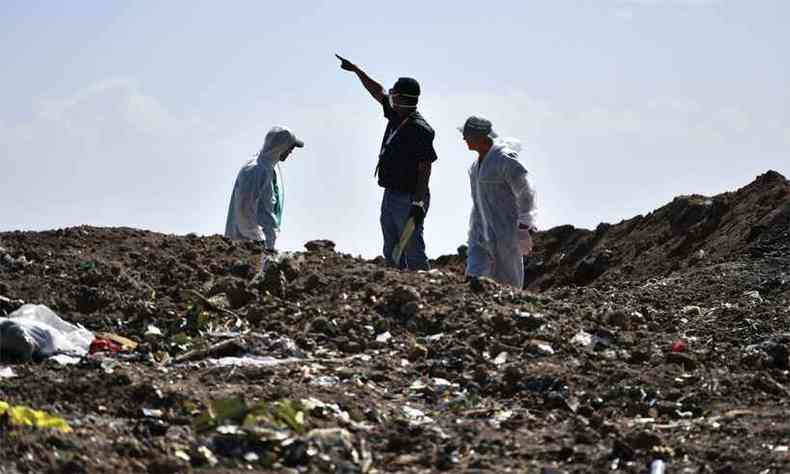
(64,359)
(104,345)
(7,373)
(415,416)
(679,346)
(152,413)
(251,361)
(657,467)
(125,343)
(501,416)
(325,380)
(583,338)
(384,337)
(181,454)
(24,416)
(208,456)
(541,347)
(36,331)
(229,348)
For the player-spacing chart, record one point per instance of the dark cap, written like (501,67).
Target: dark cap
(476,126)
(407,86)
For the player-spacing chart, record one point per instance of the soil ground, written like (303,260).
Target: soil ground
(363,368)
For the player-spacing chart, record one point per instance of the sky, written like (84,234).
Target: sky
(140,113)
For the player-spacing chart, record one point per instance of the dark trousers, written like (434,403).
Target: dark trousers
(395,207)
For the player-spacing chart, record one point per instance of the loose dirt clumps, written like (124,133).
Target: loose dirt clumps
(663,337)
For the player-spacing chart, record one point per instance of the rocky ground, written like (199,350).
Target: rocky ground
(664,337)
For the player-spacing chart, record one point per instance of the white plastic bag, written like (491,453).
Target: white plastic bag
(36,331)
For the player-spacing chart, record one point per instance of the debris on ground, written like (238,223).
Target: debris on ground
(658,344)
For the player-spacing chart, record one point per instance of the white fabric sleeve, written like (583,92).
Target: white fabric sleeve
(265,207)
(516,177)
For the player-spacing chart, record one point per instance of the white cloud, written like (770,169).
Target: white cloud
(116,102)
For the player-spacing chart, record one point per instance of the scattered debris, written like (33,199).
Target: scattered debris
(19,415)
(334,363)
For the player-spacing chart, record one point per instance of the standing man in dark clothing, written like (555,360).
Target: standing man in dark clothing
(404,166)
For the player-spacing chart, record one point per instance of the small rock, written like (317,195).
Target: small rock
(320,245)
(482,284)
(410,309)
(529,321)
(321,325)
(692,311)
(402,295)
(643,440)
(618,318)
(242,269)
(754,295)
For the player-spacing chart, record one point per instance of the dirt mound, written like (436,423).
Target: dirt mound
(328,363)
(691,230)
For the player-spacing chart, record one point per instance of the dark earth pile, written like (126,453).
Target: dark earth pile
(375,370)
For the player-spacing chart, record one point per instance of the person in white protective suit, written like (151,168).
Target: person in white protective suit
(256,204)
(503,204)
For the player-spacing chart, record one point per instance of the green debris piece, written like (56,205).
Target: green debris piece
(20,415)
(219,411)
(87,265)
(281,414)
(181,339)
(290,413)
(263,420)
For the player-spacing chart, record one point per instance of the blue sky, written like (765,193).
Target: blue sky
(140,113)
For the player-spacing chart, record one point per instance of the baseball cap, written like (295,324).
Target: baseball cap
(407,86)
(477,126)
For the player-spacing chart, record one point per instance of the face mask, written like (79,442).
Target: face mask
(391,99)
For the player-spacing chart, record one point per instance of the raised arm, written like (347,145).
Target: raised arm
(374,88)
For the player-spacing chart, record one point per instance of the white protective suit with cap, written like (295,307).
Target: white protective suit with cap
(255,207)
(501,200)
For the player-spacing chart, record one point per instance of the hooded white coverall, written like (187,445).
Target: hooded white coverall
(255,209)
(501,200)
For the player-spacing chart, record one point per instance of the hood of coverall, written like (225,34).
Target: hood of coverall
(278,140)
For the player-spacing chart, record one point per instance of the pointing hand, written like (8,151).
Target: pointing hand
(345,64)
